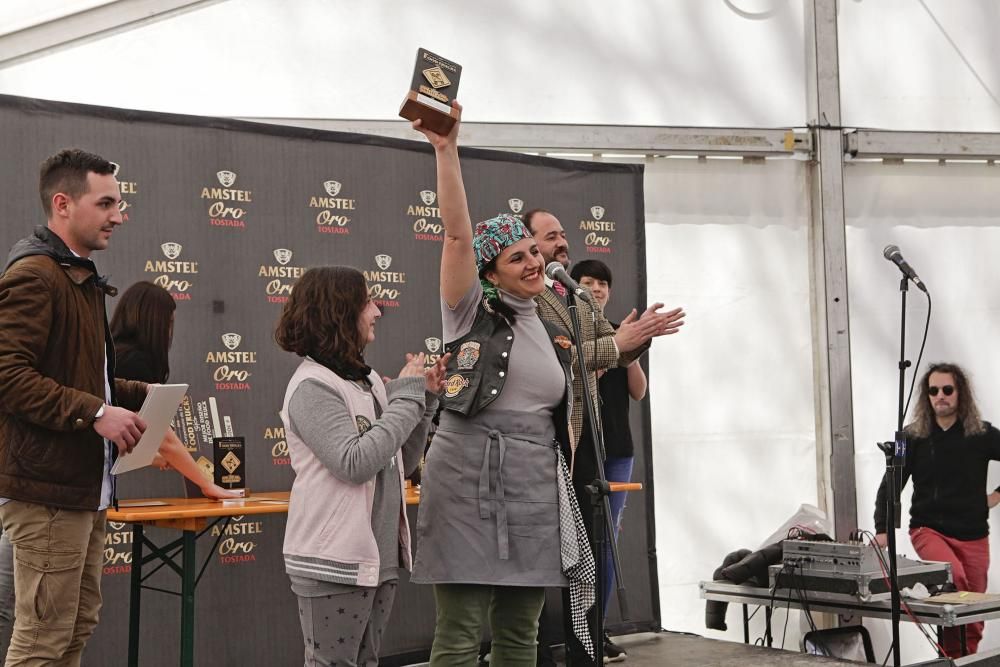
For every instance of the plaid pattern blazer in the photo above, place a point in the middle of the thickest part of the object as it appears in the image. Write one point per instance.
(599, 350)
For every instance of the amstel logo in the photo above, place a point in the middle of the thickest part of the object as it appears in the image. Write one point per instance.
(173, 274)
(599, 231)
(433, 345)
(383, 284)
(425, 218)
(275, 435)
(280, 277)
(516, 205)
(239, 541)
(230, 372)
(332, 217)
(226, 209)
(128, 190)
(118, 548)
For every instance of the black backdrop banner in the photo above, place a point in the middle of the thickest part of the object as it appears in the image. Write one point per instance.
(226, 215)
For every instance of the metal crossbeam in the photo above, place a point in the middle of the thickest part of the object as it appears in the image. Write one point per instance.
(924, 145)
(643, 140)
(74, 29)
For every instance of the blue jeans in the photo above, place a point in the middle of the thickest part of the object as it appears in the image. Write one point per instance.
(616, 469)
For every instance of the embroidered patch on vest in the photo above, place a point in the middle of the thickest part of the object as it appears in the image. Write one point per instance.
(468, 355)
(454, 385)
(562, 342)
(363, 424)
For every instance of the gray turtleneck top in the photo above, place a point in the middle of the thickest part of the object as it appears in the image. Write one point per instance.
(534, 381)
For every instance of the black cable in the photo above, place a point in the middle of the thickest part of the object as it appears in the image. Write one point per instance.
(884, 564)
(913, 381)
(803, 597)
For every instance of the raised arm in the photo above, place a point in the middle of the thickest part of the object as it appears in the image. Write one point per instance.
(458, 263)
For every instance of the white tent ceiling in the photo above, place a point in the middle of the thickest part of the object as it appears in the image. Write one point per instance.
(736, 63)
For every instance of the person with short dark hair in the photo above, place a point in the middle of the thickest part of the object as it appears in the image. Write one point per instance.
(616, 386)
(60, 425)
(351, 439)
(949, 449)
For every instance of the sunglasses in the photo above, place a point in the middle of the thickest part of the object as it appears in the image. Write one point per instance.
(947, 390)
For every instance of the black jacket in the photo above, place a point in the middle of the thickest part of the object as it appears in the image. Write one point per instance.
(949, 482)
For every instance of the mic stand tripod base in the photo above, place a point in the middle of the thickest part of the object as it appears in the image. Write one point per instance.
(600, 492)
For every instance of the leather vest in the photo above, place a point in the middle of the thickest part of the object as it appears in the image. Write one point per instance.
(469, 390)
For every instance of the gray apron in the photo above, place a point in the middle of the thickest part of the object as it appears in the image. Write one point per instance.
(489, 502)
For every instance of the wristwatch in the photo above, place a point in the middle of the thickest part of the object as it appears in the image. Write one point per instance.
(100, 412)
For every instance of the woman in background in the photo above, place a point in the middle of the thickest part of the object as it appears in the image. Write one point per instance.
(351, 439)
(142, 328)
(616, 385)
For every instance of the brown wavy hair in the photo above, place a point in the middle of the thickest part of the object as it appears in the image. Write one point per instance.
(968, 412)
(320, 319)
(142, 319)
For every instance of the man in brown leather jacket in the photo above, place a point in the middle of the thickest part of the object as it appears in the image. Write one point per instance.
(59, 427)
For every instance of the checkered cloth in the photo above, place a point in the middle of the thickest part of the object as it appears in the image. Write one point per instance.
(577, 558)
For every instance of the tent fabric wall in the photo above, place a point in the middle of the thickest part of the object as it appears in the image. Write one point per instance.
(944, 218)
(734, 424)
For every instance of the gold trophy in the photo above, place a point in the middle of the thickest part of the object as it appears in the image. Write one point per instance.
(434, 86)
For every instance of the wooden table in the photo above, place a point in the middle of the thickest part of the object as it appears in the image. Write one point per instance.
(193, 517)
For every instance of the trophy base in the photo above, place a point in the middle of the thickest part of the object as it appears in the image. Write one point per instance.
(434, 115)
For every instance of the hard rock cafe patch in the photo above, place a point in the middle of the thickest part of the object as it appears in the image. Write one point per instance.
(468, 355)
(363, 424)
(454, 385)
(563, 342)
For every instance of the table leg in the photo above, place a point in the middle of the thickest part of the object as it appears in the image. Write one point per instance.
(188, 573)
(135, 596)
(768, 639)
(940, 638)
(965, 640)
(746, 625)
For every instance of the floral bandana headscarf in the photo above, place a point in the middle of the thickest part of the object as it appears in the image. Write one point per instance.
(493, 235)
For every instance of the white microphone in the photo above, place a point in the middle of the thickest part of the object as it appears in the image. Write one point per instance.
(555, 271)
(892, 253)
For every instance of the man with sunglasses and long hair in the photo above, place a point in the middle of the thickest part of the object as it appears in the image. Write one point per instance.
(949, 448)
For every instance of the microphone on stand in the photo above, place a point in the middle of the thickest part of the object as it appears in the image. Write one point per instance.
(892, 253)
(556, 272)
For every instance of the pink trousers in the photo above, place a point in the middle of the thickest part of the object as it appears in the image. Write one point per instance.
(970, 564)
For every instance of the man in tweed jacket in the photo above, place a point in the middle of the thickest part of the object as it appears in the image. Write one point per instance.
(602, 347)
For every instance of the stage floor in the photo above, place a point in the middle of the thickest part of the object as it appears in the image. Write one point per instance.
(667, 649)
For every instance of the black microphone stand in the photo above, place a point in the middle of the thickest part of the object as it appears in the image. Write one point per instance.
(895, 460)
(600, 492)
